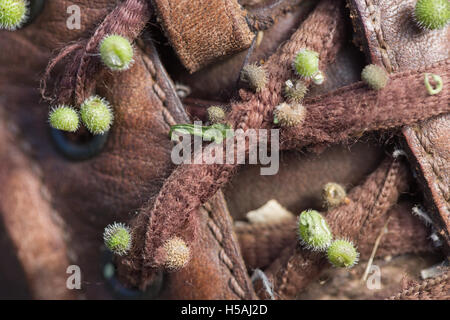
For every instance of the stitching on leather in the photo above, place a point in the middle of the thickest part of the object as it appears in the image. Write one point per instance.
(159, 93)
(223, 257)
(215, 230)
(382, 45)
(236, 287)
(156, 89)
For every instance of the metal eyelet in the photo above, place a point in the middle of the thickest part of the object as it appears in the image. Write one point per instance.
(121, 292)
(89, 147)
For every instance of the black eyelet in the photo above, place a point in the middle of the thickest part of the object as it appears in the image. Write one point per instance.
(119, 291)
(78, 146)
(35, 9)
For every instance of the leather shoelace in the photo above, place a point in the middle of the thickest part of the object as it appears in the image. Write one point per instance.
(354, 109)
(296, 267)
(428, 289)
(127, 19)
(262, 243)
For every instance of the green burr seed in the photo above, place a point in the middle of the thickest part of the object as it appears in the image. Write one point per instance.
(333, 194)
(64, 118)
(374, 76)
(97, 115)
(342, 254)
(255, 76)
(116, 52)
(117, 238)
(216, 114)
(314, 231)
(13, 14)
(295, 91)
(289, 115)
(438, 83)
(306, 63)
(432, 14)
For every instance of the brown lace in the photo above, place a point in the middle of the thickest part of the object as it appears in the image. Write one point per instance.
(297, 267)
(128, 19)
(262, 243)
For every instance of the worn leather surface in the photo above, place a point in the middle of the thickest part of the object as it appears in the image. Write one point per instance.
(31, 222)
(204, 30)
(388, 34)
(429, 147)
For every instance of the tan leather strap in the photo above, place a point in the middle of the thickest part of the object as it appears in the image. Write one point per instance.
(203, 30)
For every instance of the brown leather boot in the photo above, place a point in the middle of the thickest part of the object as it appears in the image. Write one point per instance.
(388, 148)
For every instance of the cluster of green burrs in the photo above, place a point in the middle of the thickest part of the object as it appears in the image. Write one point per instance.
(13, 14)
(116, 52)
(315, 234)
(292, 113)
(95, 113)
(216, 132)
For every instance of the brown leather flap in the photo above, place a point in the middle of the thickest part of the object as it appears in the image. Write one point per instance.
(203, 30)
(428, 144)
